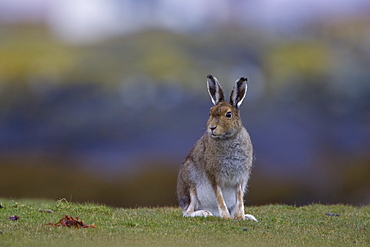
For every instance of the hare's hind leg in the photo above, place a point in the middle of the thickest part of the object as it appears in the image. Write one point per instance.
(189, 212)
(239, 212)
(250, 217)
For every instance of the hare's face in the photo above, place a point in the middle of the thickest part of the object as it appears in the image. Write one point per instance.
(224, 121)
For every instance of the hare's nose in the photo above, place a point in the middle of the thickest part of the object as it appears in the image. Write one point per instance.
(212, 127)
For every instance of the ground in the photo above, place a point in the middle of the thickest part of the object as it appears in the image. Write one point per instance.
(279, 225)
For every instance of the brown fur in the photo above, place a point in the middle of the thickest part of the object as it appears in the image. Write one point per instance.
(213, 177)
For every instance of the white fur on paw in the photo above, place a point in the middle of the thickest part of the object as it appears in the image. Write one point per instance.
(201, 213)
(250, 217)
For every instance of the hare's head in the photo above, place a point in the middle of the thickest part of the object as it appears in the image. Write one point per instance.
(224, 119)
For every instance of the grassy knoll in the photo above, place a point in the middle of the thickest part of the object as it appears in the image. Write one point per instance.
(279, 225)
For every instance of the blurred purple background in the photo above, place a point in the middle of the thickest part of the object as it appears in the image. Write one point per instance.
(100, 100)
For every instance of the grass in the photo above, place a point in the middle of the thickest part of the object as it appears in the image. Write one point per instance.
(279, 225)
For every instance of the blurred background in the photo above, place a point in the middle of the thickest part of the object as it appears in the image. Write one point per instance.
(101, 100)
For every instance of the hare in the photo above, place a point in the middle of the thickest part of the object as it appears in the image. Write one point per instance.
(213, 177)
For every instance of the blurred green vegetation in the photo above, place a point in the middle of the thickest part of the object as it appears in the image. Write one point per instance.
(288, 63)
(30, 53)
(307, 111)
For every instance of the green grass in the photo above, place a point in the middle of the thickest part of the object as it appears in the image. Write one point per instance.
(279, 225)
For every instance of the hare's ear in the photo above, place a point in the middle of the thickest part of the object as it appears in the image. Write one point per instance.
(215, 90)
(238, 93)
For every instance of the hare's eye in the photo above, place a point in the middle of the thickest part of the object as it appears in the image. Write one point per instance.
(228, 114)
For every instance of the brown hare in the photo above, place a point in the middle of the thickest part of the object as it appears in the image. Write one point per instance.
(213, 177)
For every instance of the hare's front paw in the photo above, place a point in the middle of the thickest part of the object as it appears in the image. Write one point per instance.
(250, 217)
(201, 213)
